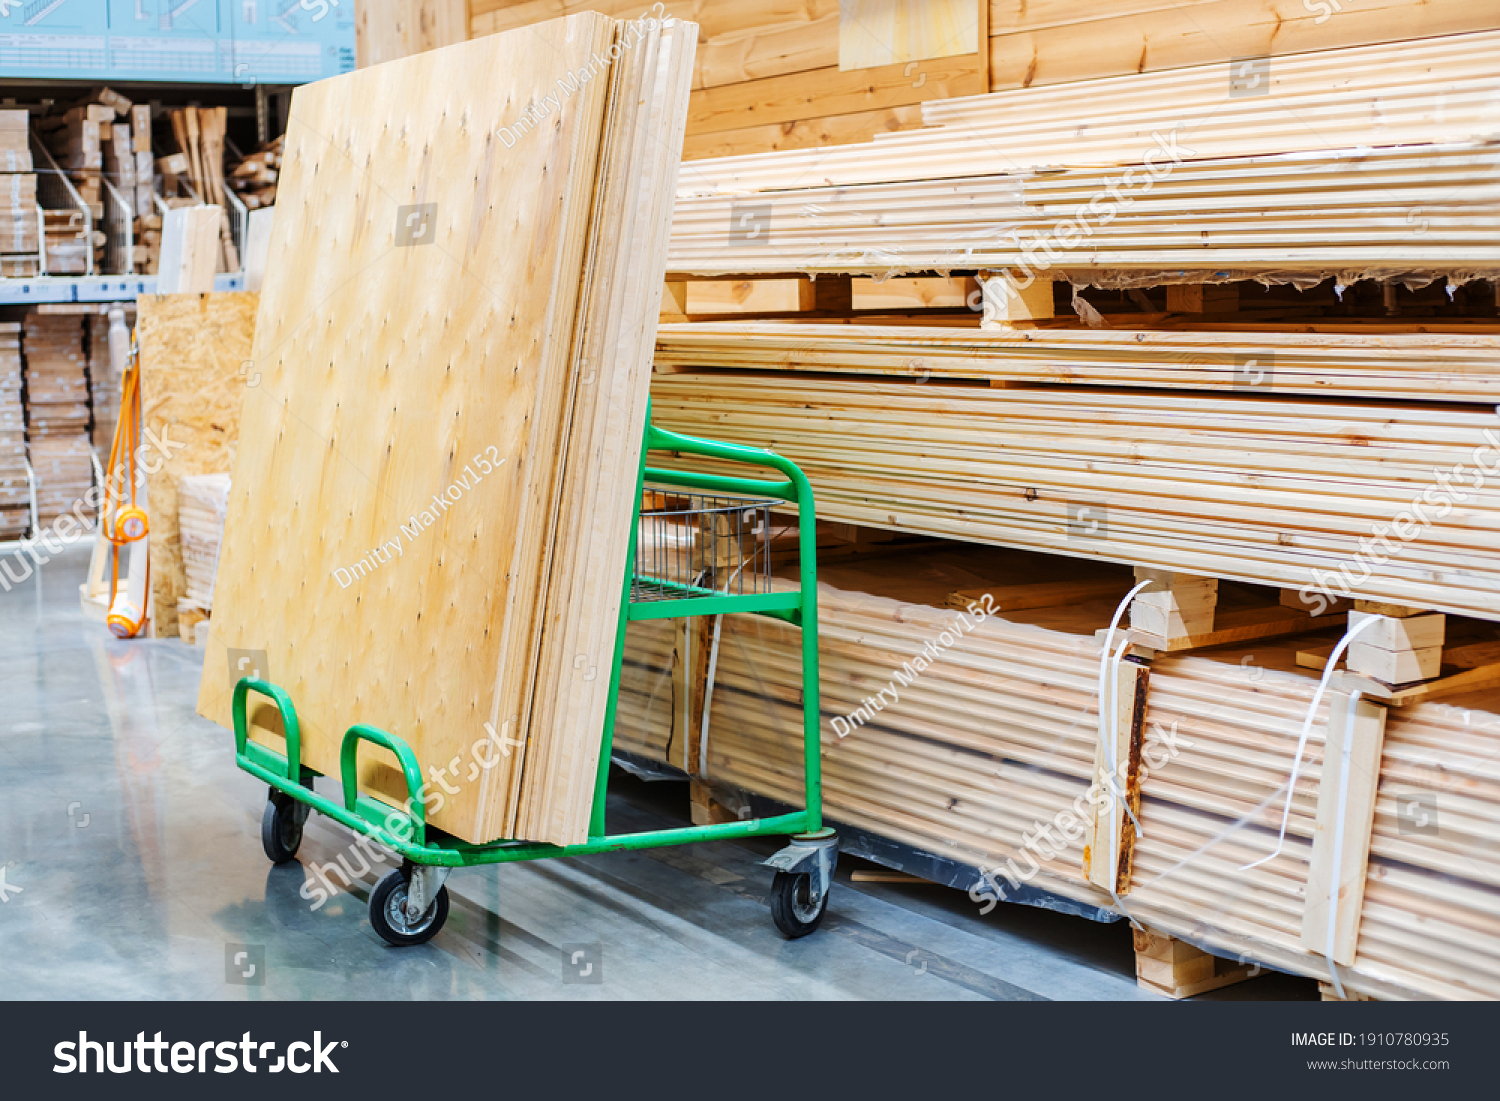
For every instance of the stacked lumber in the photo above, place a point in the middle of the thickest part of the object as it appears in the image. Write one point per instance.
(57, 410)
(996, 737)
(15, 484)
(76, 140)
(1433, 91)
(202, 500)
(1318, 213)
(1411, 366)
(337, 559)
(199, 132)
(785, 77)
(19, 232)
(63, 467)
(1262, 489)
(104, 383)
(254, 177)
(57, 385)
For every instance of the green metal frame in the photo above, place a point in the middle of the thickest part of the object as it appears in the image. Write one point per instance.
(405, 830)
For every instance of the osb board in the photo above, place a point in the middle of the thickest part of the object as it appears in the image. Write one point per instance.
(193, 348)
(413, 339)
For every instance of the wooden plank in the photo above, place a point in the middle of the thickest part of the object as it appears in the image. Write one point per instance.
(1177, 35)
(189, 250)
(859, 126)
(194, 352)
(1341, 843)
(822, 92)
(873, 33)
(465, 407)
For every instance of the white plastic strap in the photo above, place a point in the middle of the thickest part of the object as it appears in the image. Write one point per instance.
(1312, 710)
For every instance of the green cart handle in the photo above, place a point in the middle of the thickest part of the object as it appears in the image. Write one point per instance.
(373, 810)
(289, 723)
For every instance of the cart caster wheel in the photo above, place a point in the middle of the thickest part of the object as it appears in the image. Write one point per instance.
(388, 913)
(791, 909)
(281, 829)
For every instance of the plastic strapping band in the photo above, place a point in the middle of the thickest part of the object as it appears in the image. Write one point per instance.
(1345, 757)
(1312, 710)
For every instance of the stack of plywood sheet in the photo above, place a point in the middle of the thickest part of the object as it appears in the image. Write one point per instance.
(15, 484)
(202, 500)
(57, 411)
(432, 499)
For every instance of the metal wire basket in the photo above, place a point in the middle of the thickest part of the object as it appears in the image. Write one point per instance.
(695, 544)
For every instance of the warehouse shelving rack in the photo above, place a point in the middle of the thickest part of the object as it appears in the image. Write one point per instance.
(670, 574)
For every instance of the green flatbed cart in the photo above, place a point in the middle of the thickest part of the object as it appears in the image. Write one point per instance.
(698, 548)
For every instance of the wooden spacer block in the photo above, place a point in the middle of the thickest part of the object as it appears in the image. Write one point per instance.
(710, 806)
(1173, 580)
(1336, 872)
(1380, 607)
(1328, 994)
(1171, 622)
(1203, 298)
(1292, 598)
(1416, 632)
(1176, 969)
(1005, 302)
(912, 293)
(1394, 666)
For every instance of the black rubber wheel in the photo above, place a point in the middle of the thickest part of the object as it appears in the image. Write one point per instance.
(791, 909)
(281, 829)
(388, 913)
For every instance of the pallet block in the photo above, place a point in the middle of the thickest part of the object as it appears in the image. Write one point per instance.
(1175, 969)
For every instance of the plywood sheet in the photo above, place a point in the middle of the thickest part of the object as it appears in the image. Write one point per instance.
(389, 534)
(194, 352)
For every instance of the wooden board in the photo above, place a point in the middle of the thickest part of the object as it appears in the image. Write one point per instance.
(428, 399)
(195, 362)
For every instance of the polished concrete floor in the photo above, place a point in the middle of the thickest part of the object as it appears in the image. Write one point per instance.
(132, 868)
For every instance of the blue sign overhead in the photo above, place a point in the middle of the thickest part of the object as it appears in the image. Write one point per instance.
(244, 42)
